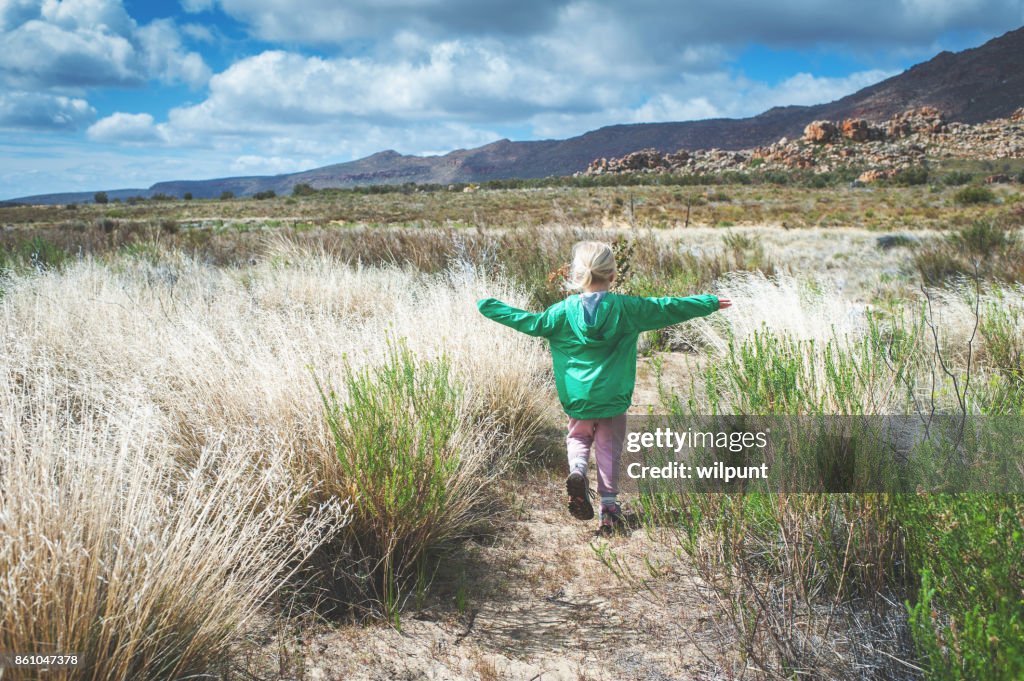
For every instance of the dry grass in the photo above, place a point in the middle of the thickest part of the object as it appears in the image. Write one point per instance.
(169, 461)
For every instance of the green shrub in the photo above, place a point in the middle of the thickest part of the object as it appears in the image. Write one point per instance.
(974, 194)
(227, 195)
(414, 488)
(303, 189)
(36, 253)
(996, 251)
(266, 194)
(967, 616)
(956, 178)
(100, 197)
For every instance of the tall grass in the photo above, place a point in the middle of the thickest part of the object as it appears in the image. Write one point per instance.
(111, 549)
(856, 585)
(987, 249)
(171, 462)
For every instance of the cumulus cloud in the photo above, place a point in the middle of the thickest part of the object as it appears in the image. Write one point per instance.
(38, 111)
(456, 81)
(126, 128)
(90, 43)
(196, 6)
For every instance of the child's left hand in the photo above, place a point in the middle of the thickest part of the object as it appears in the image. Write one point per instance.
(724, 303)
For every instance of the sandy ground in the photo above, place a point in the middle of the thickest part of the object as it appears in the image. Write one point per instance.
(541, 605)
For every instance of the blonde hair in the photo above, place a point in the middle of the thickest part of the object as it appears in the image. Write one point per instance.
(592, 261)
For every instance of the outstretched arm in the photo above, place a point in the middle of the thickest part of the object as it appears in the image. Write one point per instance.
(531, 323)
(656, 313)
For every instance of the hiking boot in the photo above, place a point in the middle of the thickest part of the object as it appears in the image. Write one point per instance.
(579, 496)
(611, 518)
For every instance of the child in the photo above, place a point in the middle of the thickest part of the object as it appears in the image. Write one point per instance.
(593, 339)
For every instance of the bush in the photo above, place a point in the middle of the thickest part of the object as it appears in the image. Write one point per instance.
(404, 460)
(956, 178)
(997, 252)
(226, 195)
(266, 194)
(187, 196)
(912, 177)
(303, 189)
(100, 197)
(974, 195)
(967, 617)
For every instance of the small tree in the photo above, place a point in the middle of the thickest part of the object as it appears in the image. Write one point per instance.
(267, 194)
(187, 196)
(100, 197)
(226, 195)
(303, 189)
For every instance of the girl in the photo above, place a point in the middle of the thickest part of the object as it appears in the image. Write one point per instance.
(593, 338)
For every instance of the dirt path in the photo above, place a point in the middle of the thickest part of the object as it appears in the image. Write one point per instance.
(537, 604)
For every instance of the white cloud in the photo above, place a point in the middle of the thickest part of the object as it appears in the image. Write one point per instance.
(90, 43)
(198, 32)
(269, 165)
(38, 111)
(456, 81)
(165, 57)
(126, 128)
(807, 89)
(196, 6)
(428, 76)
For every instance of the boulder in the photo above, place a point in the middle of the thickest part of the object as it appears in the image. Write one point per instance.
(820, 132)
(855, 129)
(875, 174)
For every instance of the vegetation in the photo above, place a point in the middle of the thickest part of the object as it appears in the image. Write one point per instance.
(975, 194)
(197, 392)
(873, 584)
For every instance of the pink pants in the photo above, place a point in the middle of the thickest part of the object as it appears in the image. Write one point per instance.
(606, 436)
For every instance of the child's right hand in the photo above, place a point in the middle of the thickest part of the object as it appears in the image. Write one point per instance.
(724, 303)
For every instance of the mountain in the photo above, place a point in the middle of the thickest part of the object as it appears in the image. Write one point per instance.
(975, 85)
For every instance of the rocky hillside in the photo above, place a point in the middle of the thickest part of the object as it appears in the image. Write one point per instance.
(881, 150)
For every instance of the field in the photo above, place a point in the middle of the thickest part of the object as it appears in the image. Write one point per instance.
(274, 439)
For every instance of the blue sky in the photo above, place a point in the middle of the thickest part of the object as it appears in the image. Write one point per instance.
(102, 94)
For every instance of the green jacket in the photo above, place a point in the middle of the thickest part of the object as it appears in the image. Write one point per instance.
(595, 364)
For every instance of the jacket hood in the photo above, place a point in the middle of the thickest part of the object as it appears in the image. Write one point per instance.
(607, 320)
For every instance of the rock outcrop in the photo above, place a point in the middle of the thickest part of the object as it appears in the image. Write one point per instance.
(880, 150)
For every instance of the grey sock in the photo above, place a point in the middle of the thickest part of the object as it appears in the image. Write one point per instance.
(578, 465)
(609, 499)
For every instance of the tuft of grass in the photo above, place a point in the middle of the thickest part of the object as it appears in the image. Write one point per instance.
(416, 481)
(142, 566)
